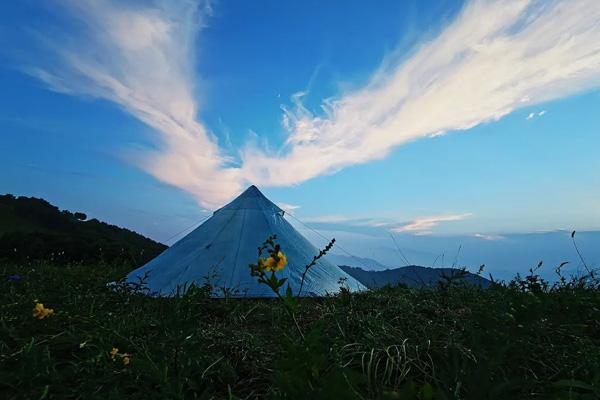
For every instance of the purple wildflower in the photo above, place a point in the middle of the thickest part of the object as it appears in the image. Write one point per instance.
(15, 278)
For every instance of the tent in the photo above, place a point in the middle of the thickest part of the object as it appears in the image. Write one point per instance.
(220, 250)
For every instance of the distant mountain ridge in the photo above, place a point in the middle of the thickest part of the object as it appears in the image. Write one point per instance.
(34, 229)
(412, 276)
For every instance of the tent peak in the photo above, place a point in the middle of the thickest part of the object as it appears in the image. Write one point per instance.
(253, 199)
(251, 191)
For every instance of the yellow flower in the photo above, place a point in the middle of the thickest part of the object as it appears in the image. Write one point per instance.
(41, 312)
(281, 262)
(125, 357)
(114, 352)
(275, 262)
(269, 264)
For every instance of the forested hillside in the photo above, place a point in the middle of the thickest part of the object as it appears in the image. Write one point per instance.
(33, 229)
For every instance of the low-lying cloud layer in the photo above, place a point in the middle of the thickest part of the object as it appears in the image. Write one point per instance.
(496, 57)
(424, 225)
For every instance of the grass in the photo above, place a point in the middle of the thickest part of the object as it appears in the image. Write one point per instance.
(520, 340)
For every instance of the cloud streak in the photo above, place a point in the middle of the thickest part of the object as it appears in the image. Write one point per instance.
(290, 208)
(494, 58)
(533, 115)
(488, 237)
(141, 57)
(425, 225)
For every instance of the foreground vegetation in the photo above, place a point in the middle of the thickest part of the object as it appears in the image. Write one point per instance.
(522, 340)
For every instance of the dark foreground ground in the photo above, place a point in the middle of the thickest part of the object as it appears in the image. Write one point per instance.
(507, 342)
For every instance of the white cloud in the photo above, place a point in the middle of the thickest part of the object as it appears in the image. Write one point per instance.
(533, 115)
(496, 56)
(327, 218)
(424, 225)
(380, 224)
(488, 237)
(141, 57)
(287, 207)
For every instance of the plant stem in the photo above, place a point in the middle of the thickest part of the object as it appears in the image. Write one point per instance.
(579, 254)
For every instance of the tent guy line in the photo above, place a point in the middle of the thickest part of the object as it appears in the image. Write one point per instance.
(186, 229)
(337, 245)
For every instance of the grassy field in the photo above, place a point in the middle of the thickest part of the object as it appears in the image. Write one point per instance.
(521, 340)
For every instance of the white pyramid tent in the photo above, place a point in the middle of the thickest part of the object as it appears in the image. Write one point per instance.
(221, 249)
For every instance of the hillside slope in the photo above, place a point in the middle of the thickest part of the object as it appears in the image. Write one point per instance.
(412, 276)
(32, 229)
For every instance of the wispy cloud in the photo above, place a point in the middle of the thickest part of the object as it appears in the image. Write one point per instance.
(533, 115)
(288, 207)
(488, 237)
(141, 57)
(425, 225)
(328, 219)
(497, 56)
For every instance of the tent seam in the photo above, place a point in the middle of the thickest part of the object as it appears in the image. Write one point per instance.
(237, 252)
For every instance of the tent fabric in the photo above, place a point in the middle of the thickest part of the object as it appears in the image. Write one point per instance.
(219, 252)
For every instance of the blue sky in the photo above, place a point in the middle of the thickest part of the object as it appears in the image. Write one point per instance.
(422, 118)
